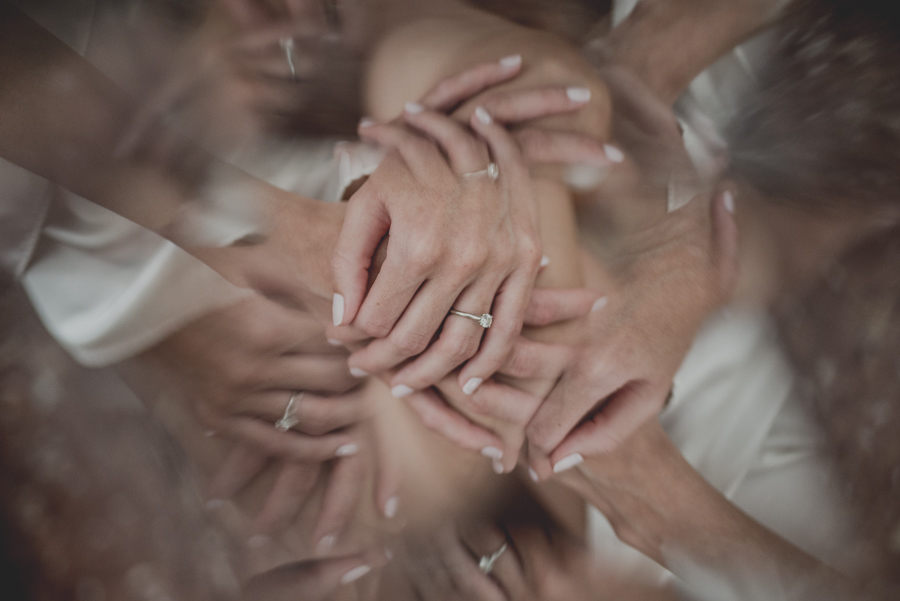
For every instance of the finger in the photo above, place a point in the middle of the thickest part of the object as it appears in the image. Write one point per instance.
(539, 467)
(606, 429)
(290, 445)
(454, 90)
(463, 569)
(725, 233)
(345, 483)
(246, 13)
(420, 154)
(315, 580)
(365, 224)
(438, 417)
(294, 483)
(541, 146)
(535, 360)
(466, 152)
(553, 305)
(457, 342)
(516, 106)
(411, 335)
(509, 309)
(503, 147)
(640, 106)
(325, 373)
(316, 415)
(388, 478)
(241, 465)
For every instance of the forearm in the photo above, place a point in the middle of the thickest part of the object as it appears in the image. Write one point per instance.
(669, 43)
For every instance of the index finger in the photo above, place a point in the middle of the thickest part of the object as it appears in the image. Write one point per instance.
(454, 90)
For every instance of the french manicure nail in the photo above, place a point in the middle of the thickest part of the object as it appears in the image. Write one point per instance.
(492, 452)
(391, 506)
(482, 115)
(613, 154)
(413, 108)
(728, 201)
(498, 466)
(533, 475)
(334, 342)
(214, 504)
(472, 385)
(345, 450)
(578, 94)
(512, 61)
(401, 390)
(599, 304)
(567, 463)
(258, 540)
(545, 260)
(366, 122)
(355, 574)
(358, 373)
(326, 544)
(337, 309)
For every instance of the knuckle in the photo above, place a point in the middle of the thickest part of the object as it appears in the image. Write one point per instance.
(411, 343)
(374, 326)
(459, 348)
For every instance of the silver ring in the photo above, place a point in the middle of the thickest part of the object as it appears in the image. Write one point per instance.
(484, 320)
(492, 171)
(486, 563)
(289, 420)
(287, 44)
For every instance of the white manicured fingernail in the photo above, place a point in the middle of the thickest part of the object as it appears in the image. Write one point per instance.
(413, 108)
(401, 390)
(345, 450)
(613, 154)
(334, 342)
(358, 373)
(258, 540)
(492, 452)
(214, 504)
(545, 260)
(472, 385)
(337, 309)
(498, 466)
(391, 506)
(366, 122)
(510, 62)
(728, 201)
(578, 94)
(210, 433)
(533, 475)
(326, 544)
(585, 177)
(567, 463)
(482, 115)
(599, 304)
(355, 574)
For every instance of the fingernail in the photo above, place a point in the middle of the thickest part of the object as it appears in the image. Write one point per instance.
(413, 108)
(492, 452)
(498, 466)
(578, 94)
(599, 304)
(334, 342)
(545, 260)
(401, 390)
(358, 373)
(345, 450)
(391, 506)
(533, 475)
(355, 574)
(210, 433)
(585, 177)
(512, 61)
(388, 553)
(366, 122)
(567, 463)
(214, 504)
(257, 540)
(337, 309)
(482, 115)
(326, 544)
(613, 154)
(728, 201)
(472, 385)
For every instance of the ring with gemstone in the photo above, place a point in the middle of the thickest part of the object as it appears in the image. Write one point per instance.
(484, 320)
(492, 171)
(289, 419)
(288, 45)
(486, 563)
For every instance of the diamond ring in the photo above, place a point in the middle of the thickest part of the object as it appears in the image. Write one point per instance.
(484, 320)
(288, 45)
(492, 171)
(289, 419)
(486, 563)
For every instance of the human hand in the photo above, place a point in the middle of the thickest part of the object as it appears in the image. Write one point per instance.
(315, 580)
